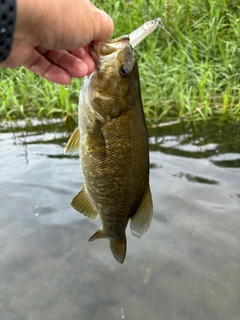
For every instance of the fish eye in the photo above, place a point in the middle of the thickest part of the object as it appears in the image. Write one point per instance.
(124, 71)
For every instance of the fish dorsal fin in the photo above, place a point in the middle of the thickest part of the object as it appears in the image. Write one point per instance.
(73, 142)
(83, 204)
(141, 220)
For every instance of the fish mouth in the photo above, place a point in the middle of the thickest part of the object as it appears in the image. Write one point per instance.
(106, 50)
(94, 51)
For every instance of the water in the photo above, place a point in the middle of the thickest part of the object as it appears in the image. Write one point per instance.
(187, 266)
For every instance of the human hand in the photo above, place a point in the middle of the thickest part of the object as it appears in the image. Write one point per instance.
(51, 37)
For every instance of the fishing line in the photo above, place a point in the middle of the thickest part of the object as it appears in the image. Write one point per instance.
(161, 25)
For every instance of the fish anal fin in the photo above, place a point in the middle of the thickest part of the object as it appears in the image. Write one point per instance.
(141, 220)
(73, 142)
(83, 204)
(119, 248)
(97, 235)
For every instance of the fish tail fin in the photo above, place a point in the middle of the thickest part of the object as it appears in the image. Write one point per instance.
(119, 248)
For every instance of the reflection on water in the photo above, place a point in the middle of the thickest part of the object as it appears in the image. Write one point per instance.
(187, 266)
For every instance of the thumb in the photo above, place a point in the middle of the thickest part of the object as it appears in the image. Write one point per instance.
(104, 26)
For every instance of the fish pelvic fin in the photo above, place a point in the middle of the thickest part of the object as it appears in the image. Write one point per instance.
(119, 248)
(141, 220)
(83, 204)
(73, 142)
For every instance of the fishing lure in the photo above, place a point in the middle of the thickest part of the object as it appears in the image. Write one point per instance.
(142, 32)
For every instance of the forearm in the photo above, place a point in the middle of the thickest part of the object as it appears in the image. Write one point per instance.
(30, 13)
(19, 22)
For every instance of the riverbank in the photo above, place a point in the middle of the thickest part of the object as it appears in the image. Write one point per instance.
(198, 77)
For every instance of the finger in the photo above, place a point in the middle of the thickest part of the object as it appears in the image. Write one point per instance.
(77, 63)
(40, 65)
(83, 54)
(104, 28)
(60, 66)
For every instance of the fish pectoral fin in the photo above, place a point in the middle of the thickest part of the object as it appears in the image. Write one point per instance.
(83, 204)
(73, 142)
(141, 220)
(119, 248)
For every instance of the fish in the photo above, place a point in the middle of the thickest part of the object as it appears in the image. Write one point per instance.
(112, 140)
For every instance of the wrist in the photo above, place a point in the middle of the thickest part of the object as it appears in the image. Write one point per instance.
(7, 24)
(29, 14)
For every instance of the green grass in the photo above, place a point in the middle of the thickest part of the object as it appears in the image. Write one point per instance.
(175, 83)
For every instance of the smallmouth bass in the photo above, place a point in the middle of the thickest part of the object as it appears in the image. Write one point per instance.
(112, 139)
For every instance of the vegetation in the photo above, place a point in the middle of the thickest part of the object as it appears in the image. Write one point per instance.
(197, 78)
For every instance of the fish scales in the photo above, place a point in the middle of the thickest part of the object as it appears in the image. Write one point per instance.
(115, 177)
(113, 146)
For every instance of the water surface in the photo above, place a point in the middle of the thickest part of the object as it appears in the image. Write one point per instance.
(187, 266)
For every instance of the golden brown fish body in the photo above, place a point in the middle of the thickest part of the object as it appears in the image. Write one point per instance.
(113, 146)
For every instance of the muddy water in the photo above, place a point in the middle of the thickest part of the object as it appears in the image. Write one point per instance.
(187, 266)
